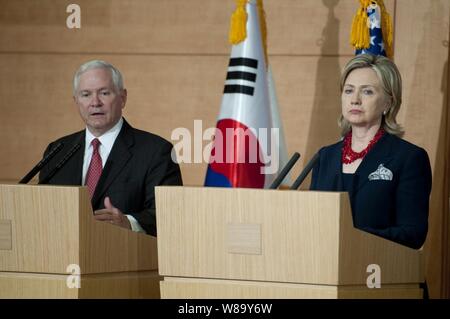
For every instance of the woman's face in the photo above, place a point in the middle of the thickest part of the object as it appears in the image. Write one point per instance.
(363, 99)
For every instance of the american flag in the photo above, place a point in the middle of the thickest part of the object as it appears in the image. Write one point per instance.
(376, 34)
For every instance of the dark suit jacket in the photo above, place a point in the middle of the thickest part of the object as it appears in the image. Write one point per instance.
(395, 209)
(138, 162)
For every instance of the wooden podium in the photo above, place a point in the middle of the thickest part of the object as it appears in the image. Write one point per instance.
(46, 229)
(247, 243)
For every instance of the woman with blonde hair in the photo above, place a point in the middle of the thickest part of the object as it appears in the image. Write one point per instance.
(388, 179)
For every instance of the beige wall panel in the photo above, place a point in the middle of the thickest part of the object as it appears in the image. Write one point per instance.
(35, 106)
(171, 26)
(309, 102)
(422, 41)
(164, 93)
(421, 52)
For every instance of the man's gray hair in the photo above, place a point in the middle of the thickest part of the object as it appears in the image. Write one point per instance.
(98, 64)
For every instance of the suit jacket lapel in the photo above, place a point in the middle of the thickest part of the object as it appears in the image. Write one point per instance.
(380, 154)
(336, 166)
(119, 156)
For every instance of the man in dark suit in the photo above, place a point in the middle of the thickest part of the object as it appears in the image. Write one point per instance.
(119, 164)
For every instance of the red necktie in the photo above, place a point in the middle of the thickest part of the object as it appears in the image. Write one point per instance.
(95, 168)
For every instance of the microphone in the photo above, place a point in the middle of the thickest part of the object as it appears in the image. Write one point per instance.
(285, 171)
(305, 171)
(61, 163)
(41, 164)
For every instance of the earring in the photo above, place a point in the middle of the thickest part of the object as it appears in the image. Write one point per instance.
(385, 112)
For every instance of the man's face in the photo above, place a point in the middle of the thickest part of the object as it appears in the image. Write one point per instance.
(99, 102)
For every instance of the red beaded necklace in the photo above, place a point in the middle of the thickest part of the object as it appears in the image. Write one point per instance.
(349, 156)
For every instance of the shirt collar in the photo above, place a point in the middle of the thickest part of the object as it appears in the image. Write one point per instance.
(108, 138)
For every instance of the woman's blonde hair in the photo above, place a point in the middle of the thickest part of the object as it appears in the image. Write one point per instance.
(391, 83)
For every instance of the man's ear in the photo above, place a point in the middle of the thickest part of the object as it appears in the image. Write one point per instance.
(124, 94)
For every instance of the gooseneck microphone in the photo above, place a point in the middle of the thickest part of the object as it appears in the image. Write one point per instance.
(305, 171)
(61, 163)
(41, 164)
(285, 171)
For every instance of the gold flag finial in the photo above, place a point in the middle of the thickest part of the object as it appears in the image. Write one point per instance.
(360, 33)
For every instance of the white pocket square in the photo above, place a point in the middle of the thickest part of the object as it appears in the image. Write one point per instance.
(382, 173)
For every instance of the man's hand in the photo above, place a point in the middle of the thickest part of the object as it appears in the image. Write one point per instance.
(112, 215)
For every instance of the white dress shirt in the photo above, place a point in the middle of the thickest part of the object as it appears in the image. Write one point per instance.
(106, 143)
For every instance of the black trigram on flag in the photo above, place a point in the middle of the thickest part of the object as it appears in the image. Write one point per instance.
(240, 71)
